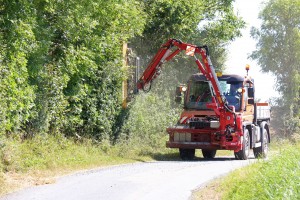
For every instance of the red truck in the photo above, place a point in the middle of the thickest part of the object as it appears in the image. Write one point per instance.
(219, 111)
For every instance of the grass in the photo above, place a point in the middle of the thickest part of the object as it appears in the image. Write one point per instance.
(35, 161)
(275, 178)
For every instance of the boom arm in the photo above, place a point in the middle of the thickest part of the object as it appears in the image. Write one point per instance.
(167, 52)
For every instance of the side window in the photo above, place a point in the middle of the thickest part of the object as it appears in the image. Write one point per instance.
(224, 87)
(232, 92)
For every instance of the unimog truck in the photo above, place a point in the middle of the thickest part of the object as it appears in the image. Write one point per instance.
(220, 112)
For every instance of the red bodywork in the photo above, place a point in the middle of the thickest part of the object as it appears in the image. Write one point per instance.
(205, 138)
(230, 123)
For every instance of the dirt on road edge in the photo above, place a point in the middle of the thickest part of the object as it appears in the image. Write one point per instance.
(209, 191)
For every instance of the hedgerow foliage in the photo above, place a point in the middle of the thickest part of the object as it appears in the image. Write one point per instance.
(61, 61)
(61, 64)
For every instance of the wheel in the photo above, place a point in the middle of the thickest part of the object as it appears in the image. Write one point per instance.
(262, 151)
(187, 154)
(244, 153)
(209, 154)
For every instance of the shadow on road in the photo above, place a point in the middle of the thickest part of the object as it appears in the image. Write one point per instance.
(175, 157)
(166, 157)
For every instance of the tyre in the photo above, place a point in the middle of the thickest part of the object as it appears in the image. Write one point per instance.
(187, 154)
(209, 154)
(243, 154)
(262, 151)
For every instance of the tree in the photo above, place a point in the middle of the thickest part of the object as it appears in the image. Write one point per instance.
(278, 52)
(61, 64)
(16, 42)
(199, 22)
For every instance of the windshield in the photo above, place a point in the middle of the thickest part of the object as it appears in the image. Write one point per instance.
(231, 93)
(199, 94)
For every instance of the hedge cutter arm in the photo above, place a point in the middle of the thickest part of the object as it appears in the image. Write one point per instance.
(168, 51)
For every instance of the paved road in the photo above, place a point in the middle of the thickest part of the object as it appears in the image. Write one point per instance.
(150, 180)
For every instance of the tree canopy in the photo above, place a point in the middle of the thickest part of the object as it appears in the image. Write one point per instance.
(278, 52)
(213, 23)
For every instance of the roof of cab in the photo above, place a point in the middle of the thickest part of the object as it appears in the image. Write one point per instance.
(224, 77)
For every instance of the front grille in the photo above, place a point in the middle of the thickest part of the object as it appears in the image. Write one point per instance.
(199, 125)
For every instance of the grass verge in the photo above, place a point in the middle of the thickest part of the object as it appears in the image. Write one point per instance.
(38, 160)
(275, 178)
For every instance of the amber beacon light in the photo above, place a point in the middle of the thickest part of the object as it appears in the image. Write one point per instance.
(247, 68)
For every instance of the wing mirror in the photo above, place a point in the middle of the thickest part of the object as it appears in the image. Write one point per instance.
(251, 96)
(251, 92)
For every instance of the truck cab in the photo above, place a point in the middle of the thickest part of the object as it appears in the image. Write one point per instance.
(199, 92)
(199, 125)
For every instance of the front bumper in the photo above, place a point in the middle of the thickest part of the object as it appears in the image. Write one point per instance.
(201, 139)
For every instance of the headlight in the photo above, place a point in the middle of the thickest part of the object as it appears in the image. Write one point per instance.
(188, 137)
(182, 137)
(176, 137)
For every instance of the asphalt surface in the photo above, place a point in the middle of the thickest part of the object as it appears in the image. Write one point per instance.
(149, 180)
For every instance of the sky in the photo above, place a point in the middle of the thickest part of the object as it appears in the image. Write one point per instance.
(241, 48)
